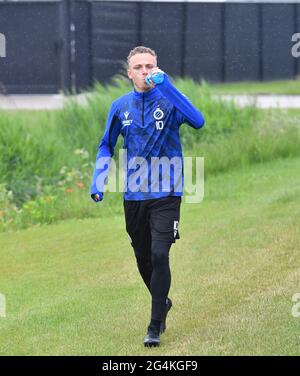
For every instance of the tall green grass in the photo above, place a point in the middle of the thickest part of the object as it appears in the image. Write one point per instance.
(47, 157)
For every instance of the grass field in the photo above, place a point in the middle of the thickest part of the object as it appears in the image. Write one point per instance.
(67, 269)
(71, 290)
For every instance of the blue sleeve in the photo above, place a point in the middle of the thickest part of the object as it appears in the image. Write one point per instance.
(105, 151)
(186, 112)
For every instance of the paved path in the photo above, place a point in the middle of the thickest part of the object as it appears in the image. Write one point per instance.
(56, 101)
(31, 102)
(266, 101)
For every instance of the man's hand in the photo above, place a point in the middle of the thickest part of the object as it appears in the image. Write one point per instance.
(155, 77)
(97, 196)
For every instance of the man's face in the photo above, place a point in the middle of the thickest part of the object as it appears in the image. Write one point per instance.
(140, 65)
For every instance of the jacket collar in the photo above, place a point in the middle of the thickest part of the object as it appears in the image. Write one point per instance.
(151, 94)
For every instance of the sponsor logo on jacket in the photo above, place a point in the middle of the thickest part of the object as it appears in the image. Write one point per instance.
(127, 121)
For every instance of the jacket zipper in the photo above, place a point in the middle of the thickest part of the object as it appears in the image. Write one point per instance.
(143, 111)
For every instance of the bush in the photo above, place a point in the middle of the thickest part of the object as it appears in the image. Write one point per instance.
(47, 157)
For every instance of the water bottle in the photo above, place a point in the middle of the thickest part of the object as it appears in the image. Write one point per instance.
(156, 78)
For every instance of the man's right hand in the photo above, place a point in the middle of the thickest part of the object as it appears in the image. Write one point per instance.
(155, 77)
(97, 197)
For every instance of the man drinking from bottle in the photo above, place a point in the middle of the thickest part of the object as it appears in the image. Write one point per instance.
(149, 119)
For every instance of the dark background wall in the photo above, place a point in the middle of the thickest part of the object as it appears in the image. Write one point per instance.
(67, 45)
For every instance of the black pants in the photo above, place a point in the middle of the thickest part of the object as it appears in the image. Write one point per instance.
(152, 226)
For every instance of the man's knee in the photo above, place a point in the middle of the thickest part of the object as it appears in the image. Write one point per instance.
(160, 253)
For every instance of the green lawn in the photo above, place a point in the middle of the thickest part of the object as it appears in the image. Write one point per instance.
(73, 287)
(250, 87)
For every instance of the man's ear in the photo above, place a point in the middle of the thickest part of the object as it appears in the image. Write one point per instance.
(129, 74)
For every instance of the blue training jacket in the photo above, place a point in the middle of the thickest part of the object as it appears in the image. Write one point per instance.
(149, 123)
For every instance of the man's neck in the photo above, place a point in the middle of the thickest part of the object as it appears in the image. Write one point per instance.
(142, 90)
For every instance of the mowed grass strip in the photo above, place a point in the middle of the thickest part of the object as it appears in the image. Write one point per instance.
(73, 288)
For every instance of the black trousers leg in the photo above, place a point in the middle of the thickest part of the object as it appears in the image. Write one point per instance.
(155, 271)
(160, 279)
(144, 264)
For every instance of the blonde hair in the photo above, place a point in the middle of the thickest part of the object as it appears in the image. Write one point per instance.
(140, 50)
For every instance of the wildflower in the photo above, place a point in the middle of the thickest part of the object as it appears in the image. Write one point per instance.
(69, 190)
(80, 185)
